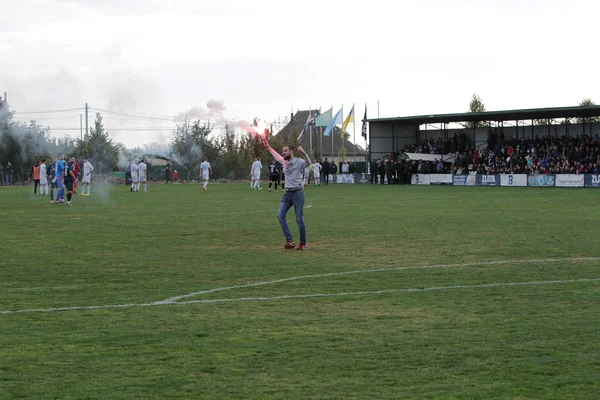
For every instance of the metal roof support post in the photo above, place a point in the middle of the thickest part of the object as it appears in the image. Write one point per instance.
(532, 128)
(443, 126)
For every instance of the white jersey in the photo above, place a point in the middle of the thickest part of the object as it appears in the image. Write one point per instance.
(317, 169)
(43, 174)
(87, 168)
(134, 172)
(256, 168)
(142, 171)
(205, 168)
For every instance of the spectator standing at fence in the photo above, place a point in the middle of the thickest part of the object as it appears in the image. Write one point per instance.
(326, 171)
(373, 169)
(389, 171)
(168, 173)
(8, 174)
(345, 168)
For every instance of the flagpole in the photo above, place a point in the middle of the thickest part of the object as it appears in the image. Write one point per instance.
(331, 134)
(310, 133)
(333, 131)
(354, 131)
(321, 146)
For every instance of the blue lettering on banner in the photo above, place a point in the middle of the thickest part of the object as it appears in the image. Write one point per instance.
(488, 180)
(459, 180)
(591, 181)
(540, 180)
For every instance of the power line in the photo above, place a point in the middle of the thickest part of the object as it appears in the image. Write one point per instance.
(122, 129)
(48, 118)
(156, 117)
(47, 111)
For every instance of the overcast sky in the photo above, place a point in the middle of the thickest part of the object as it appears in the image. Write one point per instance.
(267, 58)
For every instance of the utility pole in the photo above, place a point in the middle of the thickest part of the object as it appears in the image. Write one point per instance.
(86, 119)
(81, 126)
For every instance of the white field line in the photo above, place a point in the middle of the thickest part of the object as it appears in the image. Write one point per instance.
(366, 271)
(175, 300)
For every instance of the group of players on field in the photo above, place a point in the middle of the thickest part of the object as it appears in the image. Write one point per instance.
(61, 175)
(277, 174)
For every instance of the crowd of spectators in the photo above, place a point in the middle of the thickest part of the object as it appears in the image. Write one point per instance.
(550, 154)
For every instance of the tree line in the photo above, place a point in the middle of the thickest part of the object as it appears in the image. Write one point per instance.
(230, 154)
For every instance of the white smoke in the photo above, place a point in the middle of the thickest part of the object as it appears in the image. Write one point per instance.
(214, 113)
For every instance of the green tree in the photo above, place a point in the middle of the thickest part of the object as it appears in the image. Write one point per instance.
(99, 147)
(188, 145)
(587, 103)
(476, 106)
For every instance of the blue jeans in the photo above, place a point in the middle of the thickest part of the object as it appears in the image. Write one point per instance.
(288, 200)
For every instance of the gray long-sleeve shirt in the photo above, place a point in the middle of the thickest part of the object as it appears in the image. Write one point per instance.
(292, 169)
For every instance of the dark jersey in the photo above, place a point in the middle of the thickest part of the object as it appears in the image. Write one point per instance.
(274, 168)
(51, 172)
(69, 168)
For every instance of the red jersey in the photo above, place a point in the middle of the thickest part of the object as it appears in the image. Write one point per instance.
(76, 169)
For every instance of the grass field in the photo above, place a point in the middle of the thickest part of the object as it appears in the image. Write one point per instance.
(405, 292)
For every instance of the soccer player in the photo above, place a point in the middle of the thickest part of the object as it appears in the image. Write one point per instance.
(87, 177)
(274, 174)
(206, 172)
(294, 192)
(70, 179)
(134, 176)
(307, 175)
(35, 173)
(142, 175)
(76, 170)
(51, 177)
(60, 177)
(43, 178)
(316, 167)
(255, 174)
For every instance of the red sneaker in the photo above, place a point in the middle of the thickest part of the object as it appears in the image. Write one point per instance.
(303, 246)
(290, 244)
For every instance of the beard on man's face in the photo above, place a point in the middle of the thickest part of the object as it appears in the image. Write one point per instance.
(287, 157)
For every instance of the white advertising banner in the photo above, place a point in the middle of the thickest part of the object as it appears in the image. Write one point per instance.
(513, 180)
(569, 180)
(420, 179)
(438, 179)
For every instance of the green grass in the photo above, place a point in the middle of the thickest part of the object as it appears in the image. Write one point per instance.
(463, 340)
